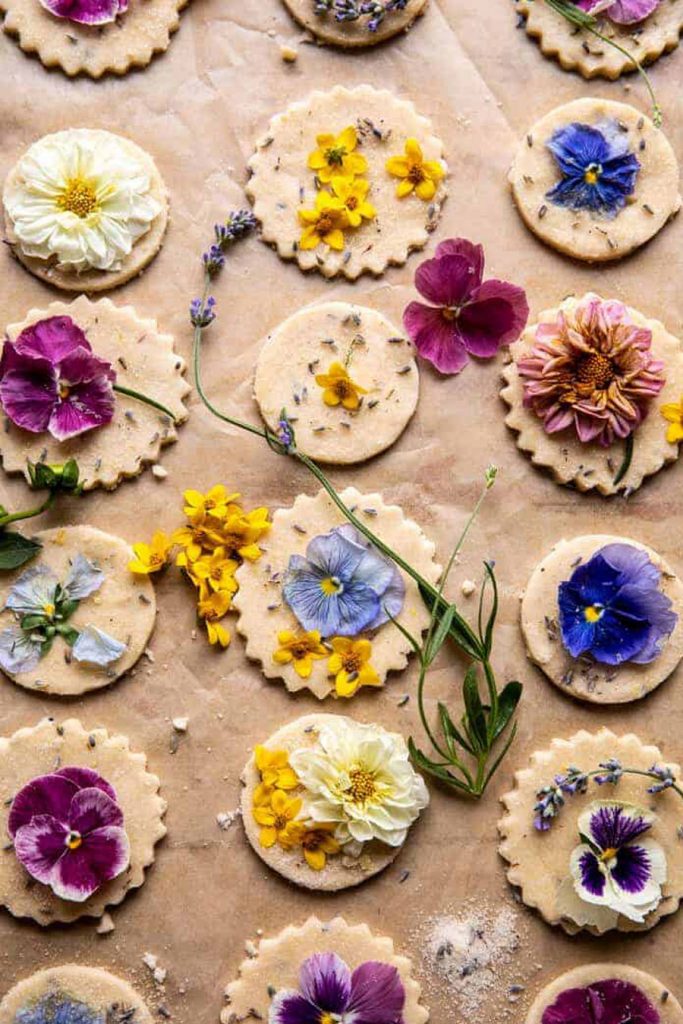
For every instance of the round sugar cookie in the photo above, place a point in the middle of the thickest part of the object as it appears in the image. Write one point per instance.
(376, 356)
(281, 182)
(277, 963)
(666, 1004)
(40, 750)
(353, 35)
(263, 613)
(589, 466)
(144, 360)
(578, 49)
(142, 253)
(583, 677)
(539, 861)
(124, 607)
(581, 233)
(131, 41)
(98, 995)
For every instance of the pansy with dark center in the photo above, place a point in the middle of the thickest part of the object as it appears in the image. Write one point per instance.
(621, 12)
(67, 830)
(331, 994)
(611, 608)
(343, 586)
(611, 1001)
(598, 170)
(86, 12)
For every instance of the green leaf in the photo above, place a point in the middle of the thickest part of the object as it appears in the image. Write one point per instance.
(626, 463)
(487, 639)
(450, 732)
(497, 763)
(409, 637)
(508, 699)
(69, 634)
(31, 622)
(460, 632)
(474, 710)
(444, 623)
(16, 550)
(435, 770)
(65, 609)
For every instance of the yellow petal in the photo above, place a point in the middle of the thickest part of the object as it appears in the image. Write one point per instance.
(413, 151)
(303, 667)
(263, 816)
(335, 239)
(674, 433)
(315, 859)
(398, 166)
(267, 838)
(331, 398)
(282, 657)
(355, 164)
(334, 664)
(368, 677)
(316, 160)
(344, 687)
(310, 238)
(433, 169)
(426, 189)
(287, 779)
(347, 139)
(404, 188)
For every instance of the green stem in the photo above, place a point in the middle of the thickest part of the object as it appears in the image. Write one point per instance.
(139, 397)
(15, 517)
(626, 462)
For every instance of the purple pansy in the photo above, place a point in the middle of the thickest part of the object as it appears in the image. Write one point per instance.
(622, 12)
(611, 1001)
(329, 991)
(467, 315)
(67, 830)
(50, 380)
(614, 866)
(86, 12)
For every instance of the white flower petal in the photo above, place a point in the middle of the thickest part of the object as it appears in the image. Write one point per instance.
(18, 651)
(34, 589)
(83, 579)
(95, 647)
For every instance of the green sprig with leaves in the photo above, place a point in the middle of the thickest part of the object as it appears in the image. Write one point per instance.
(15, 548)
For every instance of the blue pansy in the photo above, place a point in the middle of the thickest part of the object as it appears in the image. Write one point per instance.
(343, 585)
(598, 170)
(59, 1008)
(612, 608)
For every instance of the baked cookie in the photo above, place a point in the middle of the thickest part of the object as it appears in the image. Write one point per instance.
(299, 961)
(113, 618)
(352, 34)
(348, 181)
(95, 231)
(616, 986)
(52, 749)
(595, 179)
(346, 376)
(73, 993)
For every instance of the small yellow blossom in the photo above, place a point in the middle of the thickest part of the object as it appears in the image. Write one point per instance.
(153, 556)
(325, 223)
(335, 156)
(217, 502)
(417, 174)
(318, 843)
(216, 570)
(339, 389)
(299, 649)
(239, 534)
(194, 540)
(278, 821)
(212, 607)
(673, 412)
(275, 768)
(350, 665)
(353, 195)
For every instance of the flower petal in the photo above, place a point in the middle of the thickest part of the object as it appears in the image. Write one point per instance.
(611, 1001)
(86, 778)
(446, 280)
(40, 844)
(52, 338)
(377, 995)
(326, 982)
(495, 316)
(19, 652)
(92, 809)
(611, 824)
(33, 590)
(474, 254)
(102, 855)
(28, 396)
(86, 12)
(290, 1007)
(83, 578)
(438, 340)
(45, 795)
(95, 647)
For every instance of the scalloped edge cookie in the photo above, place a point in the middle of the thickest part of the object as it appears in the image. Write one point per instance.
(353, 35)
(37, 750)
(662, 999)
(92, 985)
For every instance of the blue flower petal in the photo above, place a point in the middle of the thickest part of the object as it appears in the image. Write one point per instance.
(335, 554)
(579, 149)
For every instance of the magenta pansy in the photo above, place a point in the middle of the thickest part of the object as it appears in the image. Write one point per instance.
(621, 12)
(50, 380)
(466, 315)
(67, 830)
(611, 1001)
(86, 12)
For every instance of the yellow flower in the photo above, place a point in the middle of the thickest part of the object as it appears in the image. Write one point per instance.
(339, 388)
(350, 665)
(335, 156)
(353, 195)
(194, 539)
(324, 223)
(416, 173)
(275, 768)
(278, 821)
(299, 649)
(153, 556)
(317, 843)
(239, 534)
(673, 412)
(217, 570)
(212, 607)
(217, 502)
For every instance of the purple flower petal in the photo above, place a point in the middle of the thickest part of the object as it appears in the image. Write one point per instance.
(436, 339)
(446, 281)
(611, 826)
(45, 795)
(474, 254)
(52, 338)
(289, 1007)
(611, 1001)
(86, 12)
(495, 316)
(377, 995)
(102, 855)
(28, 396)
(630, 12)
(592, 877)
(632, 870)
(93, 809)
(325, 981)
(86, 778)
(40, 845)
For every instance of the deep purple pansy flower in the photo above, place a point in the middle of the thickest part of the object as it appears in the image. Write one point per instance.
(611, 1001)
(50, 379)
(621, 12)
(86, 12)
(67, 830)
(467, 316)
(329, 991)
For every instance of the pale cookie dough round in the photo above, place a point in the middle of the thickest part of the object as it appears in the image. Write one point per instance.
(142, 253)
(131, 41)
(589, 466)
(380, 360)
(666, 1004)
(263, 613)
(340, 871)
(277, 962)
(353, 35)
(109, 997)
(38, 751)
(577, 49)
(124, 607)
(281, 182)
(580, 233)
(144, 360)
(583, 677)
(539, 861)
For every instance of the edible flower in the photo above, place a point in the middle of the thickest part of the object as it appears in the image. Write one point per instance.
(67, 830)
(598, 170)
(621, 12)
(353, 194)
(275, 769)
(417, 174)
(339, 389)
(350, 665)
(217, 503)
(50, 380)
(673, 413)
(300, 650)
(217, 571)
(612, 608)
(194, 539)
(611, 1001)
(152, 557)
(318, 843)
(240, 532)
(343, 585)
(212, 607)
(591, 370)
(57, 1007)
(324, 223)
(466, 315)
(278, 821)
(86, 12)
(329, 991)
(336, 156)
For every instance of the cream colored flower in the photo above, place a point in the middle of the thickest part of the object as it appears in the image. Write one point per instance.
(360, 777)
(82, 198)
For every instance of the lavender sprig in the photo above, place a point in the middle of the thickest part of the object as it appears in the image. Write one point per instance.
(351, 10)
(238, 224)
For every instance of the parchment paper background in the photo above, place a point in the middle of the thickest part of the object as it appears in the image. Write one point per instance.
(197, 110)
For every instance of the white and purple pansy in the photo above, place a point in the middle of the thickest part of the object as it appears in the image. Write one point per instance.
(67, 830)
(343, 585)
(86, 12)
(330, 993)
(617, 866)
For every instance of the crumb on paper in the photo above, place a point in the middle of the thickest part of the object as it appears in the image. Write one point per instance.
(468, 587)
(105, 925)
(159, 974)
(180, 724)
(289, 54)
(250, 948)
(226, 818)
(159, 472)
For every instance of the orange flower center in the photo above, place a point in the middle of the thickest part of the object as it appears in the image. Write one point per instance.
(325, 223)
(343, 388)
(313, 840)
(352, 202)
(300, 650)
(351, 661)
(595, 369)
(74, 840)
(415, 174)
(280, 822)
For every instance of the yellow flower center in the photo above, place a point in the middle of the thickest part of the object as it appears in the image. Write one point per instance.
(352, 202)
(608, 854)
(595, 369)
(362, 784)
(49, 609)
(326, 1018)
(63, 389)
(78, 197)
(415, 174)
(330, 585)
(325, 223)
(351, 661)
(74, 840)
(335, 155)
(312, 840)
(280, 822)
(301, 650)
(593, 613)
(592, 174)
